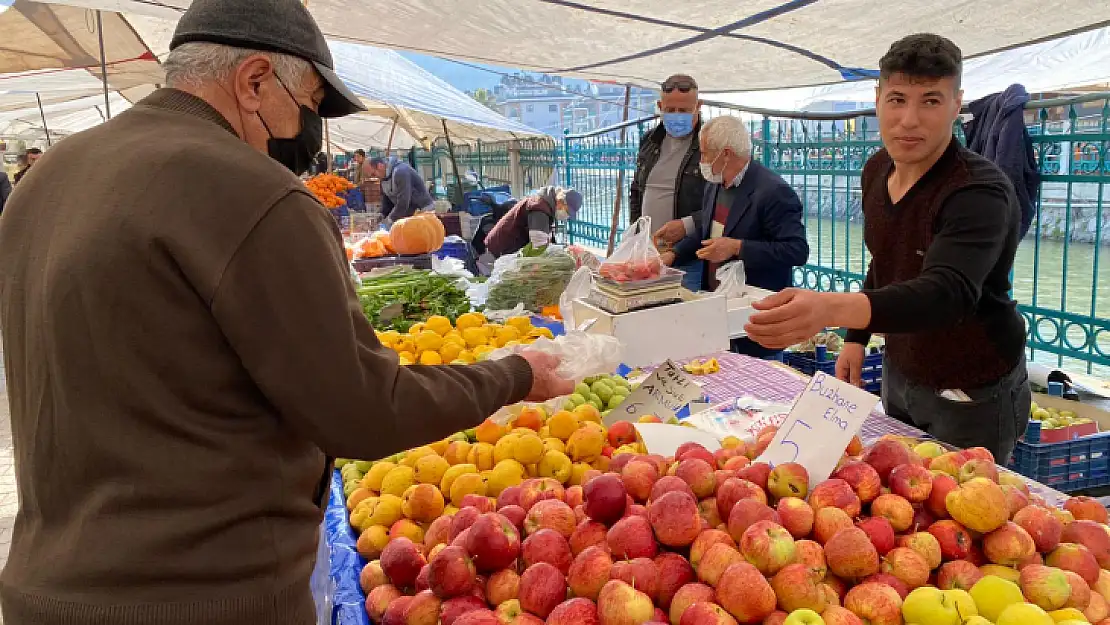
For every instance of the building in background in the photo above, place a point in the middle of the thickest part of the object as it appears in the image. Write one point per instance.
(553, 105)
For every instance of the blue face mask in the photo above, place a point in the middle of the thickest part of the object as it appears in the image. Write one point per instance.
(678, 124)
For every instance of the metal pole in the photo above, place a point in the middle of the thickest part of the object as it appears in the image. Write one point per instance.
(454, 165)
(327, 142)
(103, 64)
(45, 128)
(392, 129)
(618, 201)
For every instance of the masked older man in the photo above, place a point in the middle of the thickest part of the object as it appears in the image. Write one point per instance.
(185, 349)
(749, 213)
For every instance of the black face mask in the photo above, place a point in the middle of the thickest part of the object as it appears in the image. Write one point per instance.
(299, 152)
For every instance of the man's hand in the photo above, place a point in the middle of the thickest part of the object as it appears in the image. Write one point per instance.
(791, 316)
(667, 258)
(720, 249)
(672, 232)
(546, 384)
(849, 365)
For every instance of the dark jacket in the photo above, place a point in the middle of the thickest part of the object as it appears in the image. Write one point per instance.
(688, 186)
(998, 132)
(766, 215)
(5, 189)
(403, 191)
(511, 232)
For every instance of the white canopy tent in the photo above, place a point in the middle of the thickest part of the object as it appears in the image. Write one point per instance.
(1075, 62)
(728, 45)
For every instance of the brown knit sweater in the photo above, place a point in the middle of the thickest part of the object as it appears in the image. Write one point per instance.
(184, 349)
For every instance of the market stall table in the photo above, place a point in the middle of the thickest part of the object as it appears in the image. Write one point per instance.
(336, 579)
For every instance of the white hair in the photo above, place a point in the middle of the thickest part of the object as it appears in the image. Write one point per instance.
(729, 132)
(195, 63)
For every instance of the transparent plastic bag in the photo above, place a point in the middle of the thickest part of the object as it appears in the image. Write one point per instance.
(732, 280)
(534, 281)
(450, 266)
(578, 288)
(584, 257)
(500, 316)
(636, 258)
(581, 354)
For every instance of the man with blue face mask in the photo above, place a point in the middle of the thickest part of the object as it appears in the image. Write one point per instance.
(668, 183)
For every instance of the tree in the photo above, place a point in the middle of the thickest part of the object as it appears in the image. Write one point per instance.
(485, 98)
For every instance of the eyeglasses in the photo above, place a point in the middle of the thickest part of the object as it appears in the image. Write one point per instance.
(684, 84)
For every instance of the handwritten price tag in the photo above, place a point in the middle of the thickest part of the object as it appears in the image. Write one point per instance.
(822, 423)
(662, 394)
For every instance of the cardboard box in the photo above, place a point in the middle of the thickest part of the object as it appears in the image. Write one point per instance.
(697, 326)
(1100, 417)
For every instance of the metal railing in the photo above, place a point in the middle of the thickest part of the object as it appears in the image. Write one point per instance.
(1060, 279)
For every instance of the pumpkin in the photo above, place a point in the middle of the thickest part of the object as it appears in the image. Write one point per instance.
(417, 235)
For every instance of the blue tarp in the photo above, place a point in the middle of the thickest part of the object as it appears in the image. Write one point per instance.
(335, 584)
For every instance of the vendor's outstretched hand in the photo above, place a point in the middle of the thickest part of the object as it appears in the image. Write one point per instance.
(546, 384)
(791, 316)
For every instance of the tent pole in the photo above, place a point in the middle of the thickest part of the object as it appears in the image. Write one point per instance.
(45, 128)
(454, 165)
(327, 142)
(392, 129)
(618, 200)
(103, 63)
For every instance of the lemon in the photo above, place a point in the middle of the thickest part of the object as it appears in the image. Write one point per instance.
(449, 352)
(450, 475)
(505, 474)
(481, 455)
(389, 338)
(470, 320)
(555, 465)
(523, 325)
(505, 448)
(467, 356)
(578, 472)
(554, 444)
(384, 510)
(467, 484)
(482, 351)
(430, 469)
(529, 449)
(562, 424)
(430, 358)
(374, 477)
(405, 344)
(475, 337)
(416, 328)
(398, 480)
(428, 341)
(541, 332)
(506, 334)
(412, 455)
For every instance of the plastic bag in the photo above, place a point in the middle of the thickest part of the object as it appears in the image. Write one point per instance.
(582, 354)
(500, 316)
(450, 266)
(743, 417)
(534, 281)
(636, 258)
(584, 257)
(578, 288)
(732, 280)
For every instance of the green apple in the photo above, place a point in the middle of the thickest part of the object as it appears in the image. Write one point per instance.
(1024, 614)
(342, 462)
(929, 449)
(992, 595)
(929, 605)
(582, 389)
(804, 617)
(577, 399)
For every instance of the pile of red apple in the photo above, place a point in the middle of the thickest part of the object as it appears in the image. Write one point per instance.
(686, 541)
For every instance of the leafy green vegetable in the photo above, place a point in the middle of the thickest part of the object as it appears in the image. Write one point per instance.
(533, 281)
(421, 294)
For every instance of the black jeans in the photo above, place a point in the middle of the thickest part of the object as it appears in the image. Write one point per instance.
(994, 418)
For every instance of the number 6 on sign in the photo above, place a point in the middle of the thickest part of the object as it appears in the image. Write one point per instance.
(823, 420)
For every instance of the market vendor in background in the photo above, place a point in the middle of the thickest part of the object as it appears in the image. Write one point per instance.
(750, 213)
(26, 160)
(186, 351)
(403, 190)
(532, 220)
(360, 174)
(942, 225)
(668, 184)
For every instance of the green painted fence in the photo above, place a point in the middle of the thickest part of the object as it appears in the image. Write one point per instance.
(1061, 281)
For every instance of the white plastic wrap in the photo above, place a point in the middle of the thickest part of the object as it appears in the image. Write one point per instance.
(450, 267)
(743, 418)
(500, 316)
(732, 280)
(581, 354)
(578, 288)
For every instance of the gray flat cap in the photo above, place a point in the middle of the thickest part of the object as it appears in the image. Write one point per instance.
(282, 26)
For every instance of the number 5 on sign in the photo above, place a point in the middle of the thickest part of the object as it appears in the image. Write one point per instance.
(820, 425)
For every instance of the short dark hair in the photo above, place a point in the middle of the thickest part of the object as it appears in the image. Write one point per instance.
(923, 55)
(34, 151)
(360, 152)
(376, 161)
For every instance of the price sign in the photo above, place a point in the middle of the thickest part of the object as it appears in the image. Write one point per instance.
(820, 425)
(662, 394)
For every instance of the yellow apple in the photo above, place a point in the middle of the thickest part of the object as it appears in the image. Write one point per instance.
(993, 594)
(929, 605)
(1024, 614)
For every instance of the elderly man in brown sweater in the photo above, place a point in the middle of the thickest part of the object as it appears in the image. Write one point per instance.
(185, 350)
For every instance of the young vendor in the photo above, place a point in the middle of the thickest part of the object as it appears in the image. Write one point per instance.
(941, 223)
